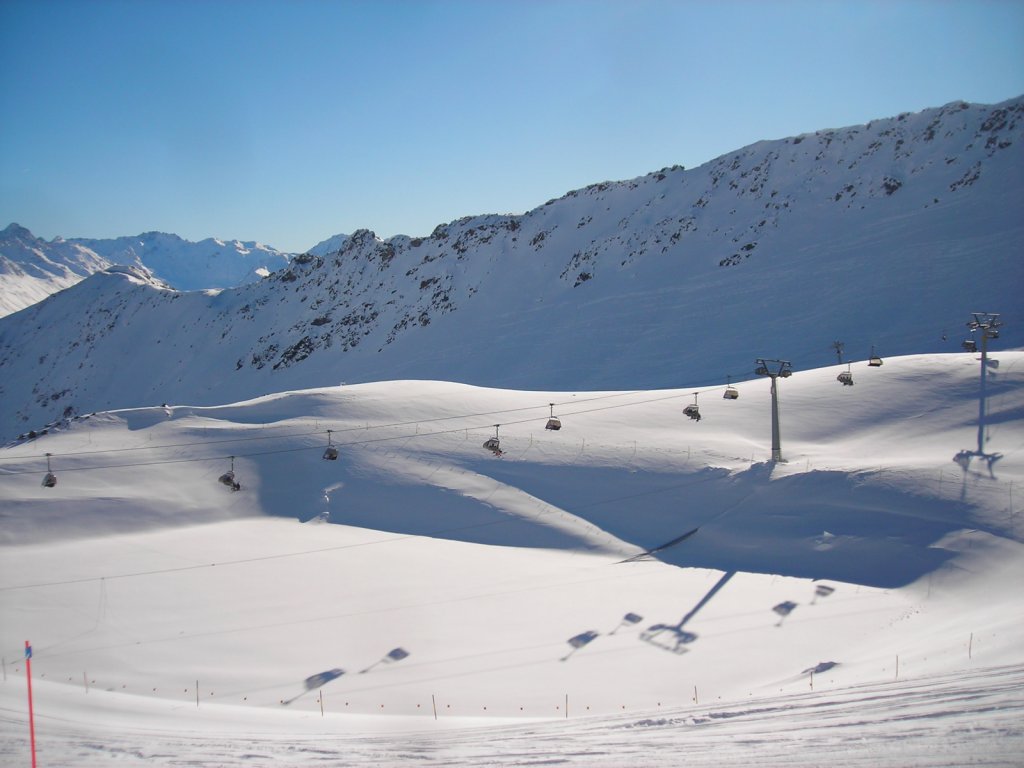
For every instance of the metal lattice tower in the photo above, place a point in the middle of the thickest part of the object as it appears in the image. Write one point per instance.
(988, 324)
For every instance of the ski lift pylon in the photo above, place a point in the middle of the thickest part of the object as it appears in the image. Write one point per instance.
(331, 454)
(553, 422)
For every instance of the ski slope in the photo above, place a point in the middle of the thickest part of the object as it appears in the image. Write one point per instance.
(630, 589)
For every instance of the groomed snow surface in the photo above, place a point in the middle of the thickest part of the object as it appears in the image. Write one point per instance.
(637, 588)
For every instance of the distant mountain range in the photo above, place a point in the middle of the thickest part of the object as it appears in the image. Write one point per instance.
(32, 268)
(884, 235)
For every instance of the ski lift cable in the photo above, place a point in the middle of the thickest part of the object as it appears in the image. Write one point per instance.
(174, 445)
(320, 431)
(401, 537)
(404, 436)
(890, 339)
(251, 454)
(311, 447)
(348, 429)
(159, 462)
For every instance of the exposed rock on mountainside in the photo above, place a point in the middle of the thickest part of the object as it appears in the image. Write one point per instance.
(888, 234)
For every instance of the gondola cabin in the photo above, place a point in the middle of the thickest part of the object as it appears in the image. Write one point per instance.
(731, 393)
(50, 479)
(969, 346)
(692, 411)
(331, 453)
(553, 422)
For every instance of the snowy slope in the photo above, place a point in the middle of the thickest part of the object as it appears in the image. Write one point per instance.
(330, 245)
(887, 234)
(31, 268)
(140, 576)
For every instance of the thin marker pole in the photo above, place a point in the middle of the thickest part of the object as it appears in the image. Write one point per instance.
(434, 702)
(31, 712)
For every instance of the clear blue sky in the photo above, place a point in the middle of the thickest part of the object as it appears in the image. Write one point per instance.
(288, 122)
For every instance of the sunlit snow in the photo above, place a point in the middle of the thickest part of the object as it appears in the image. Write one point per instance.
(858, 604)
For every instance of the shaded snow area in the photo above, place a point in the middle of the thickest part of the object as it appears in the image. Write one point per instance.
(636, 588)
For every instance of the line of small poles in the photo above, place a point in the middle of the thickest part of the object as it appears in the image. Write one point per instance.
(321, 699)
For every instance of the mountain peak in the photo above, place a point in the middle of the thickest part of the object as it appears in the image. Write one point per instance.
(15, 230)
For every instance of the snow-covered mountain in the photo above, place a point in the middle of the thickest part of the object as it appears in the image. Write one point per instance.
(884, 235)
(32, 268)
(328, 246)
(191, 266)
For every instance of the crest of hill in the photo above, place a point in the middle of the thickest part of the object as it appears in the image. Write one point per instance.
(887, 234)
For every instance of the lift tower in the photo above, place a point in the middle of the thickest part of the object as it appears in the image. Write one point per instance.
(775, 369)
(988, 324)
